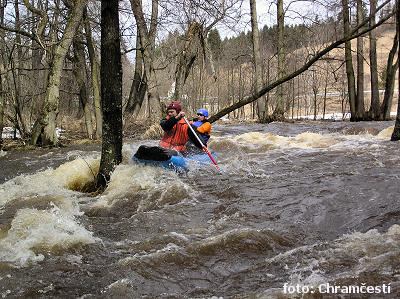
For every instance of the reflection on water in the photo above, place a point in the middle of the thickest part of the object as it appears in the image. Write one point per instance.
(295, 204)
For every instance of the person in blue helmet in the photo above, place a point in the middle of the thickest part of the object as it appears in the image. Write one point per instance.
(201, 126)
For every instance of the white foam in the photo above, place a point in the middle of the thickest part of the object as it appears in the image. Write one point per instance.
(34, 232)
(373, 251)
(48, 183)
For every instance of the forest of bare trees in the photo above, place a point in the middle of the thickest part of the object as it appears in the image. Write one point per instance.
(324, 60)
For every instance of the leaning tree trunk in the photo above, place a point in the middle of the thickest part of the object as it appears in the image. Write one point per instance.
(360, 107)
(374, 110)
(111, 91)
(81, 79)
(396, 131)
(391, 69)
(45, 125)
(255, 36)
(95, 75)
(351, 83)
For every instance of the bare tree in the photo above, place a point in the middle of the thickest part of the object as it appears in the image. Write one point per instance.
(147, 39)
(95, 74)
(45, 125)
(257, 59)
(139, 83)
(351, 84)
(360, 109)
(2, 43)
(279, 111)
(313, 59)
(81, 78)
(374, 108)
(111, 91)
(391, 68)
(396, 132)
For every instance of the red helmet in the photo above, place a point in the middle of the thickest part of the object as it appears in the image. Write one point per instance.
(175, 105)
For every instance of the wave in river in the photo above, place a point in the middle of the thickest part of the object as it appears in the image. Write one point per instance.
(35, 232)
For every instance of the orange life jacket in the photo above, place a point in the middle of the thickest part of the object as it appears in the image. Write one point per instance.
(177, 137)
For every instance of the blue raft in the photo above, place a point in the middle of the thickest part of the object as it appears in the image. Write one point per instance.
(168, 159)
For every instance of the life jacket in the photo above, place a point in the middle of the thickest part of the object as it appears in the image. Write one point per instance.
(177, 137)
(204, 129)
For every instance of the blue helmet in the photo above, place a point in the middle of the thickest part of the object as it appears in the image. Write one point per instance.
(203, 111)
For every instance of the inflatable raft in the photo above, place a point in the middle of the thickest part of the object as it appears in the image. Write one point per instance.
(165, 158)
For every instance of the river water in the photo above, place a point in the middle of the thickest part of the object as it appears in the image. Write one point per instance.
(304, 205)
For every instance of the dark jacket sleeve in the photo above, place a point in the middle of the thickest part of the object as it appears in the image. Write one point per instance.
(193, 138)
(168, 124)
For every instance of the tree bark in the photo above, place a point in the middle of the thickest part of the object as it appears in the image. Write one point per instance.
(45, 125)
(16, 72)
(147, 38)
(39, 77)
(279, 111)
(396, 132)
(95, 75)
(255, 36)
(187, 56)
(139, 83)
(351, 84)
(374, 110)
(391, 69)
(2, 43)
(81, 79)
(111, 91)
(360, 107)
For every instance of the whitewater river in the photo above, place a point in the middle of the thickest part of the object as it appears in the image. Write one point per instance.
(304, 207)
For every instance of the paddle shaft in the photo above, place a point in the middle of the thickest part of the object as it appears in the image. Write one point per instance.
(202, 145)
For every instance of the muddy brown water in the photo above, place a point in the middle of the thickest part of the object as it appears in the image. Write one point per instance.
(295, 205)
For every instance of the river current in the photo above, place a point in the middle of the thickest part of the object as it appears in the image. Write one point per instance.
(306, 206)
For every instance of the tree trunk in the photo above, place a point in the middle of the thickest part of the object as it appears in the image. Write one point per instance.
(16, 72)
(95, 75)
(147, 38)
(396, 132)
(351, 84)
(315, 93)
(360, 107)
(255, 36)
(45, 125)
(38, 79)
(325, 93)
(111, 91)
(374, 110)
(81, 79)
(279, 111)
(187, 56)
(390, 80)
(139, 85)
(2, 43)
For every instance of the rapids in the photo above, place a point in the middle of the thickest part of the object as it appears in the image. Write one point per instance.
(303, 204)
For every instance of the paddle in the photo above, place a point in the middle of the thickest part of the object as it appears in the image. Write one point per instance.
(202, 145)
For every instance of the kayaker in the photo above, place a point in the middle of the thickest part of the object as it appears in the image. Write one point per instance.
(175, 129)
(202, 127)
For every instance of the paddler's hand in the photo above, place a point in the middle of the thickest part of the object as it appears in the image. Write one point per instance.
(180, 115)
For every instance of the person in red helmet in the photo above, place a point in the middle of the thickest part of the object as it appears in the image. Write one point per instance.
(175, 128)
